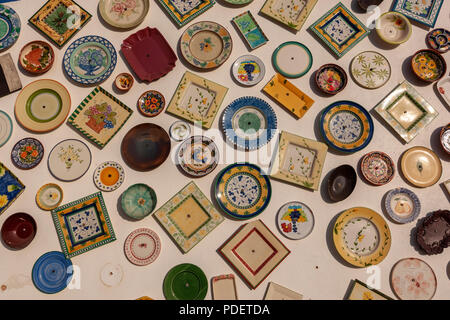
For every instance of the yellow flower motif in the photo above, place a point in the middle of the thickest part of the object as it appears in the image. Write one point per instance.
(306, 160)
(360, 238)
(367, 295)
(3, 200)
(172, 229)
(431, 64)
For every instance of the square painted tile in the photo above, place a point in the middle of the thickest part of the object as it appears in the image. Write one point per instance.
(292, 13)
(250, 30)
(10, 188)
(422, 11)
(183, 11)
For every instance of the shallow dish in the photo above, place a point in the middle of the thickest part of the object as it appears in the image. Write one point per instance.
(109, 176)
(248, 70)
(6, 127)
(18, 230)
(402, 205)
(142, 246)
(445, 138)
(151, 103)
(393, 28)
(295, 220)
(11, 26)
(370, 70)
(421, 167)
(179, 130)
(138, 201)
(428, 65)
(49, 196)
(27, 153)
(377, 168)
(182, 11)
(292, 59)
(185, 282)
(341, 182)
(198, 156)
(123, 14)
(124, 82)
(52, 272)
(433, 236)
(37, 57)
(439, 39)
(331, 78)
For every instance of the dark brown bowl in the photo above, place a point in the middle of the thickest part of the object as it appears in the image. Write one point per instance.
(145, 147)
(336, 69)
(341, 182)
(364, 4)
(433, 235)
(18, 230)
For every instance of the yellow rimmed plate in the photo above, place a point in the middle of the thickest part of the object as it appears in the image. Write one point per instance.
(49, 196)
(362, 237)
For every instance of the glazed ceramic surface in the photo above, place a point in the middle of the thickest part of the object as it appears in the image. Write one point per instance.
(248, 70)
(393, 28)
(182, 11)
(10, 27)
(433, 235)
(428, 65)
(18, 231)
(198, 156)
(151, 103)
(365, 4)
(109, 176)
(292, 59)
(52, 272)
(295, 220)
(243, 191)
(69, 160)
(111, 274)
(277, 292)
(402, 205)
(124, 82)
(445, 138)
(185, 282)
(370, 70)
(250, 30)
(339, 29)
(52, 20)
(443, 87)
(10, 188)
(27, 153)
(292, 13)
(361, 291)
(142, 246)
(249, 123)
(42, 106)
(145, 147)
(206, 45)
(37, 57)
(425, 12)
(439, 39)
(49, 196)
(138, 201)
(377, 168)
(10, 77)
(421, 167)
(346, 126)
(413, 279)
(179, 130)
(224, 287)
(6, 127)
(331, 78)
(123, 14)
(341, 182)
(362, 237)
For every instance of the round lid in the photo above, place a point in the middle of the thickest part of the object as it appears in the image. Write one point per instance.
(142, 246)
(292, 59)
(18, 230)
(198, 156)
(370, 70)
(52, 272)
(49, 196)
(124, 14)
(185, 282)
(27, 153)
(402, 205)
(421, 166)
(377, 168)
(295, 220)
(151, 103)
(6, 127)
(138, 201)
(109, 176)
(179, 130)
(111, 274)
(248, 70)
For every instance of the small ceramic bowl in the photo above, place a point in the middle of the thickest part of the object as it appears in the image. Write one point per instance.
(428, 65)
(341, 182)
(364, 4)
(445, 138)
(18, 231)
(36, 57)
(393, 27)
(439, 39)
(124, 82)
(331, 78)
(377, 168)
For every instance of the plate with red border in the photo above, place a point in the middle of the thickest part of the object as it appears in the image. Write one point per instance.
(142, 246)
(377, 168)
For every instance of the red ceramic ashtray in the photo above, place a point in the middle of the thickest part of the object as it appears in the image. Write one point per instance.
(148, 54)
(18, 230)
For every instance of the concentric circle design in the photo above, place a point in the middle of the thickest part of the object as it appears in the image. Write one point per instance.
(138, 201)
(185, 282)
(142, 246)
(27, 153)
(52, 272)
(49, 196)
(10, 27)
(377, 168)
(292, 59)
(198, 156)
(6, 127)
(402, 205)
(109, 176)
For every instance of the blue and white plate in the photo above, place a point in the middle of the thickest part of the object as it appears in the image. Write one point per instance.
(249, 123)
(52, 272)
(90, 60)
(402, 205)
(9, 27)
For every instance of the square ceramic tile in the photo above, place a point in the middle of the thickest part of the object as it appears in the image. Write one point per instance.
(254, 252)
(197, 99)
(83, 225)
(8, 72)
(59, 20)
(360, 291)
(425, 12)
(339, 29)
(188, 217)
(10, 188)
(292, 13)
(298, 160)
(277, 292)
(406, 111)
(100, 116)
(224, 287)
(183, 11)
(250, 30)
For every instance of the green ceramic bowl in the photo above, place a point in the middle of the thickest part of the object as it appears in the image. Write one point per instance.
(138, 201)
(185, 282)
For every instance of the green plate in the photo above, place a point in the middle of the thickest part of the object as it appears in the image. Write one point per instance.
(185, 282)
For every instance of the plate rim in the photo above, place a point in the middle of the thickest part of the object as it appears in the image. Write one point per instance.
(283, 73)
(433, 155)
(132, 235)
(40, 204)
(102, 8)
(43, 258)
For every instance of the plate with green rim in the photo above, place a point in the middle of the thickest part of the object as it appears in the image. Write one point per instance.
(138, 201)
(185, 282)
(292, 59)
(6, 127)
(9, 27)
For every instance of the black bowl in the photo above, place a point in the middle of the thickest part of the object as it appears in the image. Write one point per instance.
(341, 182)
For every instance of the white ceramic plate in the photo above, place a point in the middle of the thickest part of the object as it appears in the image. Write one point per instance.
(5, 128)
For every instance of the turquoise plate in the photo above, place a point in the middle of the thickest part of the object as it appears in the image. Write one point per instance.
(138, 201)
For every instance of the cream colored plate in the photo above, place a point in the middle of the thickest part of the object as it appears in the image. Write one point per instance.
(421, 167)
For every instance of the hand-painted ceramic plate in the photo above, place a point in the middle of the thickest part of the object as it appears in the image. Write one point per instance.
(393, 28)
(123, 14)
(180, 130)
(402, 205)
(346, 126)
(243, 190)
(421, 166)
(90, 60)
(331, 78)
(362, 237)
(6, 127)
(249, 123)
(443, 87)
(206, 44)
(124, 82)
(295, 220)
(111, 274)
(49, 196)
(428, 65)
(292, 59)
(69, 160)
(444, 138)
(439, 39)
(109, 176)
(27, 153)
(37, 57)
(9, 27)
(185, 282)
(198, 156)
(142, 246)
(138, 201)
(377, 168)
(248, 70)
(413, 279)
(52, 272)
(238, 2)
(370, 70)
(341, 182)
(151, 103)
(42, 106)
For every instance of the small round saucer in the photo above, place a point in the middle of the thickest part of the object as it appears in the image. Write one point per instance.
(248, 70)
(331, 78)
(377, 168)
(428, 65)
(402, 205)
(49, 196)
(151, 103)
(27, 153)
(18, 230)
(111, 275)
(179, 130)
(393, 27)
(52, 272)
(138, 201)
(198, 156)
(185, 282)
(142, 246)
(295, 220)
(439, 39)
(292, 59)
(124, 82)
(341, 182)
(421, 166)
(444, 138)
(109, 176)
(36, 57)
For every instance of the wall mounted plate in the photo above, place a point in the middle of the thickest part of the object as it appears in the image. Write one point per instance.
(123, 82)
(428, 65)
(6, 127)
(277, 292)
(331, 78)
(9, 77)
(111, 274)
(370, 70)
(421, 166)
(224, 287)
(292, 59)
(109, 176)
(179, 130)
(198, 156)
(151, 103)
(37, 57)
(52, 272)
(377, 168)
(295, 220)
(18, 231)
(433, 232)
(138, 201)
(11, 26)
(182, 11)
(439, 39)
(248, 70)
(10, 188)
(250, 30)
(185, 282)
(49, 196)
(142, 246)
(360, 291)
(123, 14)
(341, 182)
(424, 12)
(238, 2)
(27, 153)
(393, 28)
(444, 138)
(402, 205)
(293, 14)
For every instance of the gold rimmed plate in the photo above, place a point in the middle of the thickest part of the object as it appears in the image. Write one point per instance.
(49, 196)
(421, 167)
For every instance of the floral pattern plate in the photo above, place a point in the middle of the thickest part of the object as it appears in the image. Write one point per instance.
(138, 201)
(439, 39)
(124, 82)
(393, 28)
(292, 13)
(425, 12)
(142, 246)
(90, 60)
(292, 59)
(249, 123)
(123, 14)
(10, 27)
(6, 127)
(428, 65)
(370, 70)
(362, 237)
(346, 126)
(10, 188)
(49, 196)
(248, 70)
(69, 160)
(109, 176)
(402, 205)
(295, 220)
(243, 190)
(198, 156)
(361, 291)
(37, 57)
(421, 166)
(183, 11)
(331, 78)
(413, 279)
(206, 45)
(377, 168)
(151, 103)
(27, 153)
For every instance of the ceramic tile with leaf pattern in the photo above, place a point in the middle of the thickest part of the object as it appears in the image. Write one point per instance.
(292, 13)
(361, 291)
